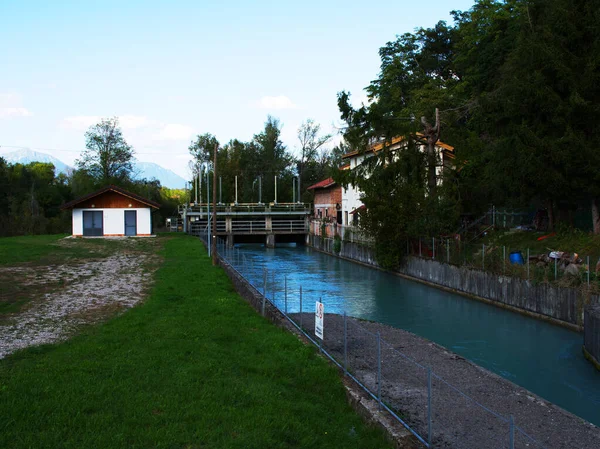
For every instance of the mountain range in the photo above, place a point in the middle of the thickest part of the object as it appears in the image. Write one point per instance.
(148, 170)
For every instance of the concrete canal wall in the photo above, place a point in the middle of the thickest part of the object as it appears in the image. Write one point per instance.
(591, 334)
(562, 305)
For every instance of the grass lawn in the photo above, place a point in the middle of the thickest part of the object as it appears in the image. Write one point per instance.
(193, 367)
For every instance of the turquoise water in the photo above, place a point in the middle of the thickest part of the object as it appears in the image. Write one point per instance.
(541, 357)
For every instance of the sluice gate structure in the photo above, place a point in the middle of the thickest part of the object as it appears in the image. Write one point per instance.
(269, 223)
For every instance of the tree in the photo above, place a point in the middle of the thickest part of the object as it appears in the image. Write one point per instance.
(310, 143)
(201, 148)
(107, 157)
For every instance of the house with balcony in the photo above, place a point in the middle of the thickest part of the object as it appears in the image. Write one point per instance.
(351, 202)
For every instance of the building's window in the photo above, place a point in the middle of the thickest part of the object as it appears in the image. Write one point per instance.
(326, 212)
(346, 218)
(355, 219)
(320, 213)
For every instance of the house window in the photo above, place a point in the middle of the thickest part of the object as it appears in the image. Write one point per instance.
(346, 218)
(320, 213)
(326, 212)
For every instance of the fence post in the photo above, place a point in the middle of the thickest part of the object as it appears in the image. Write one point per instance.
(511, 436)
(527, 263)
(429, 435)
(264, 298)
(300, 307)
(320, 339)
(379, 369)
(555, 268)
(285, 292)
(433, 248)
(504, 260)
(419, 246)
(447, 251)
(345, 343)
(483, 256)
(588, 270)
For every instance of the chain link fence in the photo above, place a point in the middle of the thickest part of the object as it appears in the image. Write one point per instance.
(436, 412)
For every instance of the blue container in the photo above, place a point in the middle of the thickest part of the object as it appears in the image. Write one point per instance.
(516, 258)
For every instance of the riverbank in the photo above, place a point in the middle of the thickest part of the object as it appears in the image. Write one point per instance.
(192, 366)
(467, 425)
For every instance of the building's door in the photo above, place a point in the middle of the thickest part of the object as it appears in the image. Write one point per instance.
(93, 223)
(131, 222)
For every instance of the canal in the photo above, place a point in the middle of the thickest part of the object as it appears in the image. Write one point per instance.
(543, 358)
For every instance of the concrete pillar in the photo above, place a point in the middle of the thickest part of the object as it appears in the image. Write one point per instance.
(228, 224)
(270, 242)
(185, 220)
(268, 223)
(230, 240)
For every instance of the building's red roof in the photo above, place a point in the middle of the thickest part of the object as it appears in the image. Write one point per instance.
(358, 209)
(323, 184)
(113, 188)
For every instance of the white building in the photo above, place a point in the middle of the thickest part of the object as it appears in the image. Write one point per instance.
(111, 211)
(351, 203)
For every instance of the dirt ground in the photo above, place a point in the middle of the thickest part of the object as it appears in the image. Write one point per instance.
(52, 301)
(457, 420)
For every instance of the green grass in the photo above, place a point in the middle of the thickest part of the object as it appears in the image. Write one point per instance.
(48, 249)
(193, 367)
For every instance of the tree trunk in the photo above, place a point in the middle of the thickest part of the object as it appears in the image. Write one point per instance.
(551, 218)
(596, 215)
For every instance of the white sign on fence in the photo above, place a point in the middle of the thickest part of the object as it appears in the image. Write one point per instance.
(319, 320)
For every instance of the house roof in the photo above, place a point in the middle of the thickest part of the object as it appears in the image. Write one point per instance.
(358, 209)
(110, 188)
(449, 149)
(322, 184)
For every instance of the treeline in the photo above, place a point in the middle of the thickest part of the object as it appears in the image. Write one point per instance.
(256, 164)
(31, 196)
(514, 86)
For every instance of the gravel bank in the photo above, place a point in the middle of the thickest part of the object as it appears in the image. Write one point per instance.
(458, 422)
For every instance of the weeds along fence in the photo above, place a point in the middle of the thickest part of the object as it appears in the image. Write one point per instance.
(437, 413)
(568, 269)
(346, 233)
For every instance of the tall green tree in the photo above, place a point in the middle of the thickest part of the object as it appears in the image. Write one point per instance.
(108, 157)
(311, 142)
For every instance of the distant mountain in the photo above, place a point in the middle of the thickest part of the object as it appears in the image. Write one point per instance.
(150, 170)
(26, 156)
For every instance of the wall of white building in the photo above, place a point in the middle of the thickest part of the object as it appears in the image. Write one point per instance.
(114, 220)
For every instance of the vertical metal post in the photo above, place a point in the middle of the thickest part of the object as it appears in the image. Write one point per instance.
(208, 239)
(419, 246)
(433, 246)
(555, 268)
(447, 251)
(429, 431)
(320, 340)
(220, 190)
(511, 436)
(236, 190)
(294, 189)
(275, 189)
(379, 369)
(527, 263)
(588, 270)
(345, 343)
(483, 256)
(300, 307)
(264, 291)
(260, 190)
(503, 259)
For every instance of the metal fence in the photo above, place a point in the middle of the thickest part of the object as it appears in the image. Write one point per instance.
(346, 233)
(571, 269)
(436, 412)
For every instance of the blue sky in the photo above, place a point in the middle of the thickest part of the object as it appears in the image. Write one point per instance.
(171, 70)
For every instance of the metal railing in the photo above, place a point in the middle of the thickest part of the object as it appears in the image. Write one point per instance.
(288, 226)
(248, 226)
(350, 234)
(411, 392)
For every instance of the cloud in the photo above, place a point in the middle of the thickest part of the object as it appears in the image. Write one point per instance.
(10, 106)
(175, 131)
(79, 122)
(15, 112)
(134, 121)
(280, 102)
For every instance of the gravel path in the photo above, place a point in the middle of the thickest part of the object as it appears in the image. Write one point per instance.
(90, 292)
(458, 422)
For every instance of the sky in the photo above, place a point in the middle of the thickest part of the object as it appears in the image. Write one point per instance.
(172, 70)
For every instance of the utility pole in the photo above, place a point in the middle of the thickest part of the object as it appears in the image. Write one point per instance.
(208, 239)
(213, 242)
